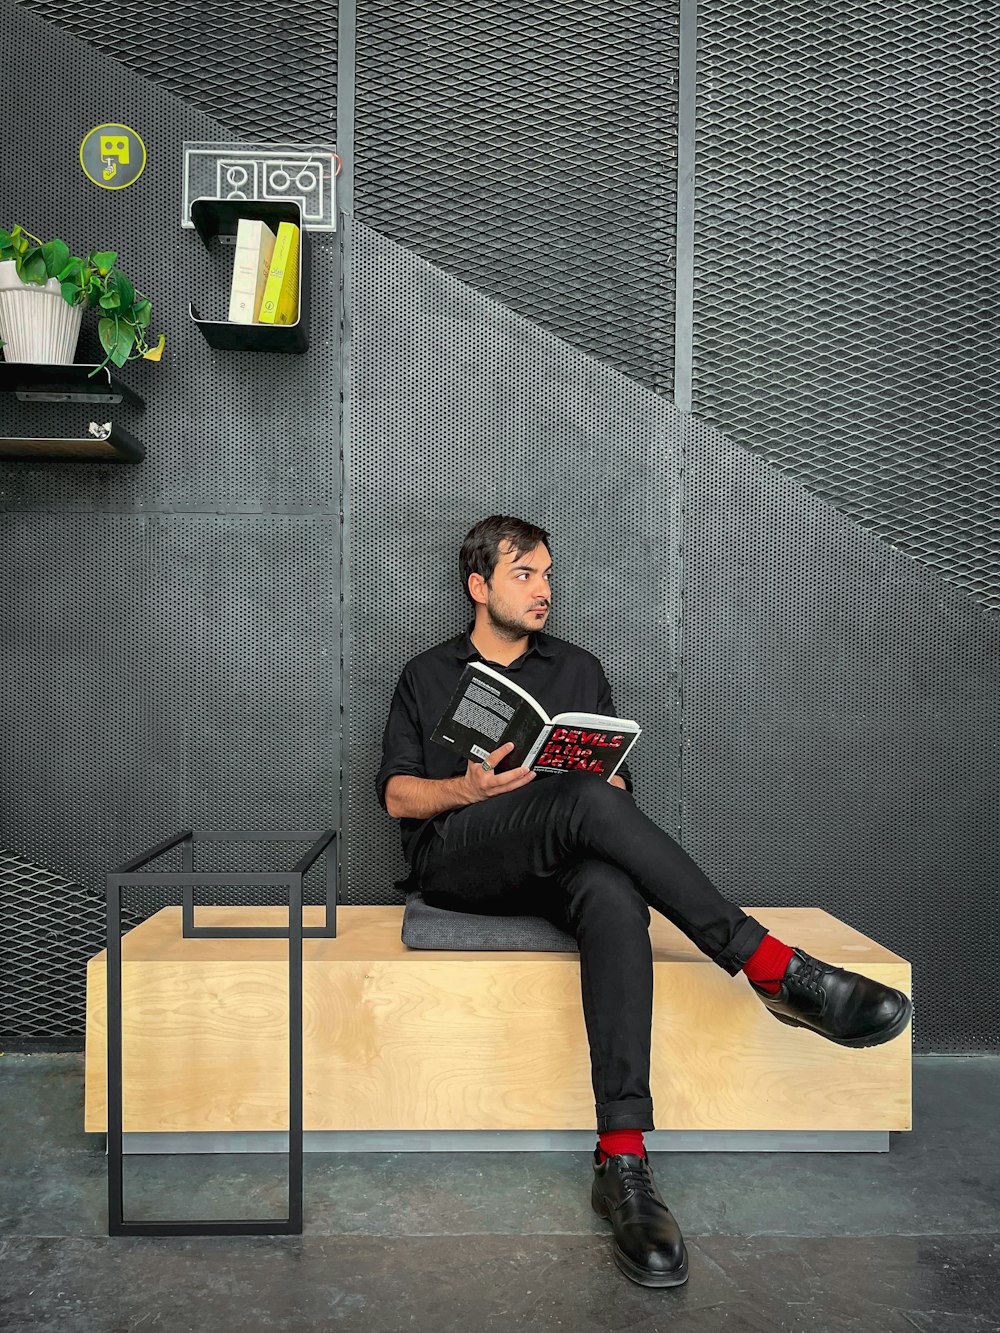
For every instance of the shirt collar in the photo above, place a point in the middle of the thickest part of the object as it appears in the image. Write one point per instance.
(538, 642)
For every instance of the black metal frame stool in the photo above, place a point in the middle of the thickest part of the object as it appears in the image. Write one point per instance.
(323, 841)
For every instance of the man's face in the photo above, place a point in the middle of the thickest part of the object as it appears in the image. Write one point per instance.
(519, 595)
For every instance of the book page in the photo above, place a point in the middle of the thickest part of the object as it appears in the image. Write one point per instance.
(595, 720)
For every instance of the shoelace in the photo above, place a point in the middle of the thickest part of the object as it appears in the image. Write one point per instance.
(808, 974)
(636, 1177)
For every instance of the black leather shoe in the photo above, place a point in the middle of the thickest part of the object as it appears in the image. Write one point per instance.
(845, 1007)
(648, 1246)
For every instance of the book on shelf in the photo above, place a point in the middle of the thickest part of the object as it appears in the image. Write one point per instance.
(487, 710)
(280, 304)
(251, 266)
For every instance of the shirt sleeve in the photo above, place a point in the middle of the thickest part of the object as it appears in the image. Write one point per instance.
(402, 741)
(606, 704)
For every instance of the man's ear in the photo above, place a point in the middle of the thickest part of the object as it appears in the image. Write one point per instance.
(478, 589)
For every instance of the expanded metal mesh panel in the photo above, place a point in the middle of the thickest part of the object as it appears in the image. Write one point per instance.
(50, 929)
(224, 431)
(461, 409)
(530, 149)
(846, 283)
(52, 926)
(268, 71)
(161, 672)
(841, 714)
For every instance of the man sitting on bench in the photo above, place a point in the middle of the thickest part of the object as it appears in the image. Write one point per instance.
(580, 852)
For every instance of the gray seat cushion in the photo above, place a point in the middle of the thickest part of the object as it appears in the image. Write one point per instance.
(426, 927)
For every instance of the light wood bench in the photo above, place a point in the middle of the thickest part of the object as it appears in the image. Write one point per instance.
(401, 1039)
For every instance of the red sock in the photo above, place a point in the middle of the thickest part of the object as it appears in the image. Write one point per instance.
(766, 965)
(614, 1141)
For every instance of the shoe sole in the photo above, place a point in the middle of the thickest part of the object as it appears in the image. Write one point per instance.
(898, 1025)
(643, 1276)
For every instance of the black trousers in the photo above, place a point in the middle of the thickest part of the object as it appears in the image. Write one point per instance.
(581, 853)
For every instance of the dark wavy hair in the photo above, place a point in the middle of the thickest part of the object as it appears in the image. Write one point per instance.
(481, 548)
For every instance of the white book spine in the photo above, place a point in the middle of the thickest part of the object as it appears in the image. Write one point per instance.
(532, 754)
(251, 265)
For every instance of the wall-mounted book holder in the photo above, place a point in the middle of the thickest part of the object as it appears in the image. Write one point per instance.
(220, 218)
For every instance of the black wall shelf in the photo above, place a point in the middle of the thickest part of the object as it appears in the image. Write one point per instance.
(104, 444)
(46, 383)
(220, 217)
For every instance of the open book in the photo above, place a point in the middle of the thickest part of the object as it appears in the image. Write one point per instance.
(487, 710)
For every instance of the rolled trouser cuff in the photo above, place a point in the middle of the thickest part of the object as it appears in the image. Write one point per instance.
(631, 1113)
(748, 938)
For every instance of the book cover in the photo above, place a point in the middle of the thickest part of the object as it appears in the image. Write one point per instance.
(251, 265)
(280, 303)
(488, 710)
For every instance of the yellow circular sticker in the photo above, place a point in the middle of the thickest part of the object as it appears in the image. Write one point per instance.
(112, 156)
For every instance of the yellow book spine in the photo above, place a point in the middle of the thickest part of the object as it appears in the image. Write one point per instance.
(288, 301)
(280, 303)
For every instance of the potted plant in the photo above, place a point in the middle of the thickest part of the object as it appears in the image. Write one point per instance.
(44, 291)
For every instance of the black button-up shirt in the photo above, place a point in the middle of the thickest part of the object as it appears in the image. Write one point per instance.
(559, 675)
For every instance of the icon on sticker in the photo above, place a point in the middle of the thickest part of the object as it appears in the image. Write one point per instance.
(112, 156)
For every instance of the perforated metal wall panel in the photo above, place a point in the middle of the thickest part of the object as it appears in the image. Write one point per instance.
(171, 645)
(461, 409)
(266, 71)
(841, 715)
(839, 706)
(530, 149)
(224, 431)
(846, 283)
(170, 671)
(174, 645)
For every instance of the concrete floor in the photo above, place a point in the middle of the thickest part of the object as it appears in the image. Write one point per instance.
(873, 1243)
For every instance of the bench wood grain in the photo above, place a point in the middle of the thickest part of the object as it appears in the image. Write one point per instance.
(400, 1039)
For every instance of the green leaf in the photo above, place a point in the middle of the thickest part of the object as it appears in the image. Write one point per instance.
(71, 272)
(117, 338)
(71, 292)
(106, 332)
(104, 261)
(124, 343)
(141, 312)
(56, 257)
(33, 268)
(98, 287)
(125, 289)
(110, 301)
(5, 239)
(89, 281)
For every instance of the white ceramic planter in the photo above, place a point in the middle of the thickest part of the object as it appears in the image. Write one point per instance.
(36, 324)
